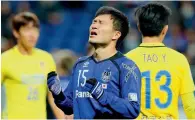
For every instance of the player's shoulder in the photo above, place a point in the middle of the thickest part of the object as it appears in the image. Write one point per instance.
(124, 62)
(7, 54)
(175, 54)
(132, 52)
(82, 59)
(126, 65)
(120, 58)
(42, 52)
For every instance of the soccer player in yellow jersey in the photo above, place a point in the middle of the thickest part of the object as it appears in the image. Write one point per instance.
(24, 72)
(166, 73)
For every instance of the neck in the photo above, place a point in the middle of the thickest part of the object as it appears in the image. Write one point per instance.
(151, 40)
(104, 52)
(24, 50)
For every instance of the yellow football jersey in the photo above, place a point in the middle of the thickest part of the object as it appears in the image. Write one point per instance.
(24, 85)
(165, 75)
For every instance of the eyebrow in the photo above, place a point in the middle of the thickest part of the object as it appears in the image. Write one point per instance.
(98, 20)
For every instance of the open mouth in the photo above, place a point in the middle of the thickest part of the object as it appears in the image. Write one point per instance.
(93, 33)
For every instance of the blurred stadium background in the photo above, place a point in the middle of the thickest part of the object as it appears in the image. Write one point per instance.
(65, 25)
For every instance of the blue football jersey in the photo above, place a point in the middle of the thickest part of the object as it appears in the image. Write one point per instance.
(121, 81)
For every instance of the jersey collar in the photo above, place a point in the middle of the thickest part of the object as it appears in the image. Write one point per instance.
(19, 53)
(116, 56)
(152, 45)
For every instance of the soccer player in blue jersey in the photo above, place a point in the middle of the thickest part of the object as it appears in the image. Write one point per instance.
(106, 84)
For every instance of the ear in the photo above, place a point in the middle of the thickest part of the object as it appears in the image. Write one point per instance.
(16, 34)
(138, 26)
(164, 30)
(117, 35)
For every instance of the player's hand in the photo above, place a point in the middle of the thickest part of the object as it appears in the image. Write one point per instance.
(94, 87)
(53, 83)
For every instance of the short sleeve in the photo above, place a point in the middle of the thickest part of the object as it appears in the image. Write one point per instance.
(52, 64)
(187, 84)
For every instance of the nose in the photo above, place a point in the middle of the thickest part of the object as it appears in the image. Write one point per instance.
(32, 35)
(94, 26)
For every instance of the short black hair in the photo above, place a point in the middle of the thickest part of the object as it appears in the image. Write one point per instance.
(152, 18)
(23, 19)
(120, 20)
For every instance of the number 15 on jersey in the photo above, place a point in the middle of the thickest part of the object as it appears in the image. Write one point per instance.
(82, 77)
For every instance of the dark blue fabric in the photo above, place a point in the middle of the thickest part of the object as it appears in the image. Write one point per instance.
(120, 79)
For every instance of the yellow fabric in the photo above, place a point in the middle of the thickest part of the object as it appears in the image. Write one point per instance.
(23, 84)
(166, 73)
(188, 101)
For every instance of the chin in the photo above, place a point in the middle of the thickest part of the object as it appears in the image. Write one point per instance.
(92, 41)
(31, 45)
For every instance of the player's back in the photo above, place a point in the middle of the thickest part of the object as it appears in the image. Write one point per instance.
(163, 78)
(24, 84)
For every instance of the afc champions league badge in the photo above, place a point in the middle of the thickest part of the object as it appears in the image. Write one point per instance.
(106, 75)
(42, 65)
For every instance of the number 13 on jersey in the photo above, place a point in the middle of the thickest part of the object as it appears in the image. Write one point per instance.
(164, 87)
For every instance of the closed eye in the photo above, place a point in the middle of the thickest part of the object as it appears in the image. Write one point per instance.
(94, 21)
